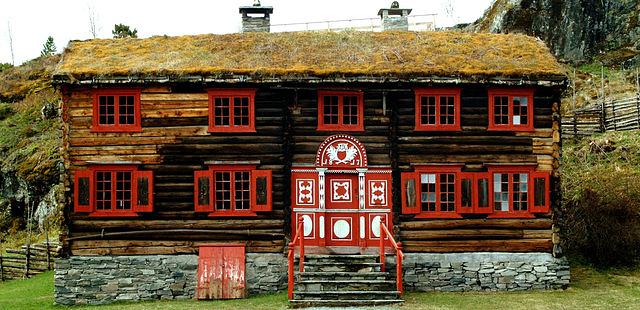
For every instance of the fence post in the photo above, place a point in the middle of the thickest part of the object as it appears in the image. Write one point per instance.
(613, 113)
(1, 268)
(603, 118)
(26, 265)
(575, 126)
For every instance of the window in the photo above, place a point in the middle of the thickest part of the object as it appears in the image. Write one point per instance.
(502, 192)
(343, 111)
(232, 190)
(518, 191)
(232, 110)
(437, 189)
(113, 191)
(437, 109)
(116, 111)
(511, 110)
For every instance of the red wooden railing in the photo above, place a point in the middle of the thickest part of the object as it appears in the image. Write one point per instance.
(399, 255)
(300, 237)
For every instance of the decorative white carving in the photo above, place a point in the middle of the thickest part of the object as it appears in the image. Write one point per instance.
(341, 229)
(362, 232)
(377, 192)
(341, 190)
(375, 226)
(307, 225)
(306, 192)
(348, 153)
(321, 227)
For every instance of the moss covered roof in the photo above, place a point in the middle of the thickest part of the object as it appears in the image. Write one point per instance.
(319, 54)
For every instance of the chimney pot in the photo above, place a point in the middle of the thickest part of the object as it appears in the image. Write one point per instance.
(256, 18)
(394, 18)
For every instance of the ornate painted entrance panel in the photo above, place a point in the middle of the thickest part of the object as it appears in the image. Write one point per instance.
(340, 199)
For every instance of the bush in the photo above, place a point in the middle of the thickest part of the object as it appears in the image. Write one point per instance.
(601, 199)
(5, 110)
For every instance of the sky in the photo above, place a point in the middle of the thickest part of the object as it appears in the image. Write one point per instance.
(30, 22)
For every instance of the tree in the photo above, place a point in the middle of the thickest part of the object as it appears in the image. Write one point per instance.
(93, 22)
(124, 31)
(5, 66)
(49, 47)
(10, 42)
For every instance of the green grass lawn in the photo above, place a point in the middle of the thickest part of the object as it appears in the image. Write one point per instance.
(591, 289)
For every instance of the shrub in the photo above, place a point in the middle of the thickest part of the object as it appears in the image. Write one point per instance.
(601, 199)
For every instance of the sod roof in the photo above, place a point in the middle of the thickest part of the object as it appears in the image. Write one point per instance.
(391, 54)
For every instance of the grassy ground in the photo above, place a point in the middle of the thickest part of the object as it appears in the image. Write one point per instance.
(591, 289)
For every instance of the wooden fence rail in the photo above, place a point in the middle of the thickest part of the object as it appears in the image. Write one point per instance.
(28, 261)
(614, 115)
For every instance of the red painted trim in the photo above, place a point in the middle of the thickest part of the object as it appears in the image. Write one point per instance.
(530, 170)
(97, 127)
(547, 203)
(437, 170)
(213, 212)
(104, 213)
(340, 126)
(231, 94)
(517, 92)
(217, 245)
(437, 92)
(77, 207)
(510, 215)
(134, 195)
(255, 174)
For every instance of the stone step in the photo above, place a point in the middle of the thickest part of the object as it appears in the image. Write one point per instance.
(347, 295)
(344, 285)
(342, 275)
(342, 266)
(343, 303)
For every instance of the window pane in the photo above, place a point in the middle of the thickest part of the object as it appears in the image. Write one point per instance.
(106, 110)
(103, 190)
(123, 190)
(447, 110)
(520, 111)
(428, 190)
(241, 111)
(221, 111)
(428, 110)
(501, 191)
(350, 110)
(467, 194)
(447, 192)
(501, 110)
(143, 191)
(242, 190)
(83, 191)
(540, 192)
(330, 106)
(483, 193)
(126, 112)
(203, 191)
(520, 191)
(223, 190)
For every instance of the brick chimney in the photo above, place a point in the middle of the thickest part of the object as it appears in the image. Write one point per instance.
(255, 18)
(394, 18)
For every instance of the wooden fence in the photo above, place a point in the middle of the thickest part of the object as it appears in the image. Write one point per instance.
(614, 115)
(28, 261)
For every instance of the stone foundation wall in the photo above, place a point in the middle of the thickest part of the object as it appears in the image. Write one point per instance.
(458, 272)
(106, 279)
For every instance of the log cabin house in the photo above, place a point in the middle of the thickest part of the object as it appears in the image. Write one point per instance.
(194, 161)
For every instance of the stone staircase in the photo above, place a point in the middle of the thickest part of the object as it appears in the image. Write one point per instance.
(343, 281)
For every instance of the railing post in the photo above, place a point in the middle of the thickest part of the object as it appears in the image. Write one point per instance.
(290, 273)
(300, 234)
(399, 268)
(382, 235)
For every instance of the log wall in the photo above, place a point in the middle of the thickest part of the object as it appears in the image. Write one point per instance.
(174, 142)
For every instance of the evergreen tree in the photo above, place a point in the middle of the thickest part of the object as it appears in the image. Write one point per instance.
(124, 31)
(5, 66)
(49, 47)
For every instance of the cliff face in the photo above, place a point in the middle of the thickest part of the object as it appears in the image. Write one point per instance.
(575, 30)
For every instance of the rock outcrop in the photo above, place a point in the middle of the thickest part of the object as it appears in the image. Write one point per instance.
(575, 30)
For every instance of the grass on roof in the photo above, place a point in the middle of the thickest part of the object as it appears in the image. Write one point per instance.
(349, 53)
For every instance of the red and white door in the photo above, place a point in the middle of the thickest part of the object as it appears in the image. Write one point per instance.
(340, 200)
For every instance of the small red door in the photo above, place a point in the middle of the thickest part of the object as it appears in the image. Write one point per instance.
(221, 272)
(342, 203)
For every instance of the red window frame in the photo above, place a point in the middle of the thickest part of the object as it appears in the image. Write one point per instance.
(511, 93)
(91, 173)
(340, 125)
(232, 94)
(209, 176)
(438, 93)
(532, 174)
(116, 127)
(411, 201)
(437, 170)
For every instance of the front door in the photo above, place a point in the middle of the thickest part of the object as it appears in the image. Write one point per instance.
(341, 215)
